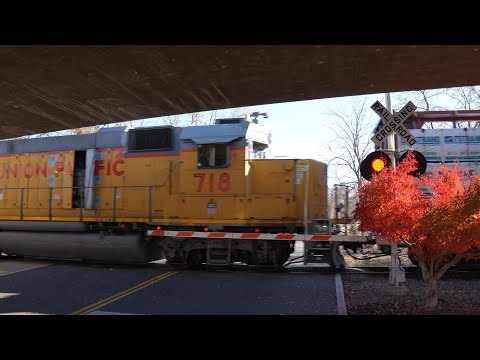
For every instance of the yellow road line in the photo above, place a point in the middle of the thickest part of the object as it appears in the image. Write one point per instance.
(121, 295)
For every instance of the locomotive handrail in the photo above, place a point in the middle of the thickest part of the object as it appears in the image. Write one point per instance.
(49, 205)
(81, 208)
(21, 202)
(115, 189)
(114, 216)
(170, 172)
(80, 187)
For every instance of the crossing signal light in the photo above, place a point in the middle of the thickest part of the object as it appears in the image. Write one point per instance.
(374, 163)
(421, 162)
(378, 160)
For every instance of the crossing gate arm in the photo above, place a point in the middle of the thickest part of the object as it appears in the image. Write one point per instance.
(258, 236)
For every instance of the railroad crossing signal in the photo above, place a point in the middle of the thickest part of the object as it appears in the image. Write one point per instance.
(374, 163)
(420, 159)
(377, 161)
(393, 123)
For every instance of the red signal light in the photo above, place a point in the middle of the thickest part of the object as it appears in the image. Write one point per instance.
(257, 230)
(378, 164)
(377, 161)
(205, 228)
(159, 227)
(374, 163)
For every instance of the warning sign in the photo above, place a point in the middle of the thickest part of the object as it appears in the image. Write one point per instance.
(393, 123)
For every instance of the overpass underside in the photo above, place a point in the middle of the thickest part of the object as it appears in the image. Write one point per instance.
(49, 88)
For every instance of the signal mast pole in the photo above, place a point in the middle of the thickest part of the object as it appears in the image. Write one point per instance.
(391, 145)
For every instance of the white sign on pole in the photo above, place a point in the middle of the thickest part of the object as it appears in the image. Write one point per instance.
(393, 123)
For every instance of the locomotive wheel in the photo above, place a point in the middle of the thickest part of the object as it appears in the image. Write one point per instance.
(195, 259)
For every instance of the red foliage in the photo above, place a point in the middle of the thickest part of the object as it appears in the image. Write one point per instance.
(438, 214)
(391, 203)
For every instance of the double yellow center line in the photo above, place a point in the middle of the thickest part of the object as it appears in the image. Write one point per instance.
(121, 295)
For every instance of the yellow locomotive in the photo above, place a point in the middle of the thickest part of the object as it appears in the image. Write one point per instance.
(99, 196)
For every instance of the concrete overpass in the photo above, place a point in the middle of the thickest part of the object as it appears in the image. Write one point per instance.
(49, 88)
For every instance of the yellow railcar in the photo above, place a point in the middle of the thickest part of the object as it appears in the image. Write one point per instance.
(96, 196)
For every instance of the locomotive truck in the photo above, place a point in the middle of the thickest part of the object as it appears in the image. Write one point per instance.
(191, 195)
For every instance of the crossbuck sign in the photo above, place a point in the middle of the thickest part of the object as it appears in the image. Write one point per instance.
(393, 123)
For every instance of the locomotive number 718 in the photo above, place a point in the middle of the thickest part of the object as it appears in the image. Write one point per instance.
(223, 183)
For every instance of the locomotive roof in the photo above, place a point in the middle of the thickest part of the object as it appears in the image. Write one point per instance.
(225, 133)
(104, 139)
(117, 137)
(209, 134)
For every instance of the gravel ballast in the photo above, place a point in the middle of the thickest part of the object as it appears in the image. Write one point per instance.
(368, 293)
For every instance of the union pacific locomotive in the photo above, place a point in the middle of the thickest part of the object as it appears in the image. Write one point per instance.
(119, 194)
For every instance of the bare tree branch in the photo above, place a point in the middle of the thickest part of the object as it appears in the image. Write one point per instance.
(352, 136)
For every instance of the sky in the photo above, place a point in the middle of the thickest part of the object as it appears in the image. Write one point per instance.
(303, 129)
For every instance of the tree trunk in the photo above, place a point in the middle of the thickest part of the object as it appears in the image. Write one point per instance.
(431, 293)
(432, 271)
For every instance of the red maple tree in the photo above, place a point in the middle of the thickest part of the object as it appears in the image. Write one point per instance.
(437, 216)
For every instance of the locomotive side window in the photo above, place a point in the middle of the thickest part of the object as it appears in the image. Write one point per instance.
(212, 155)
(259, 150)
(220, 155)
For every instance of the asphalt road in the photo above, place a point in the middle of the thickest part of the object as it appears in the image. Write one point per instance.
(39, 287)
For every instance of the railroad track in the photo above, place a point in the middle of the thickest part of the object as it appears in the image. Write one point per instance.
(412, 270)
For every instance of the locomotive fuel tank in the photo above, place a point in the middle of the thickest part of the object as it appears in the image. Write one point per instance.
(95, 246)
